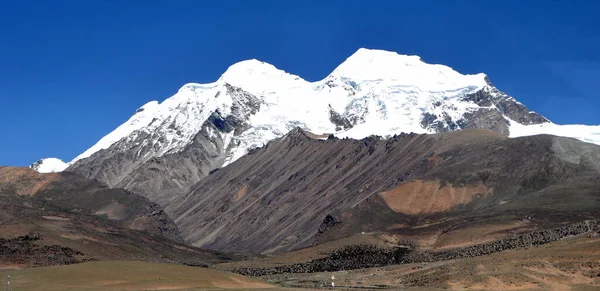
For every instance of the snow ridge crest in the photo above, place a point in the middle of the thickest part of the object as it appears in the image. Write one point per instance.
(373, 92)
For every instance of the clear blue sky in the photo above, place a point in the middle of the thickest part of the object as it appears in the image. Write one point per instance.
(71, 71)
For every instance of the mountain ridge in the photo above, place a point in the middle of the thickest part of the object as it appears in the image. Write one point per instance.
(373, 92)
(249, 64)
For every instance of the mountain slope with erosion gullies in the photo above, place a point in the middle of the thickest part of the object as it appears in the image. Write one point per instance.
(438, 190)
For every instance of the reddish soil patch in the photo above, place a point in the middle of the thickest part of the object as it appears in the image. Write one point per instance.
(241, 193)
(422, 197)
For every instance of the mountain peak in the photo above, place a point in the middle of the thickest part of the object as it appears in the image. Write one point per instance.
(257, 76)
(376, 66)
(297, 132)
(250, 66)
(148, 106)
(370, 54)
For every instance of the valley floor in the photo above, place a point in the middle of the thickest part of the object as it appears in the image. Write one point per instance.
(127, 275)
(571, 264)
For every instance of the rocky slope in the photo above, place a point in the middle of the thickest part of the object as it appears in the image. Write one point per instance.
(157, 162)
(166, 147)
(298, 191)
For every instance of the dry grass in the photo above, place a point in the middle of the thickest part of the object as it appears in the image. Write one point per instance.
(124, 275)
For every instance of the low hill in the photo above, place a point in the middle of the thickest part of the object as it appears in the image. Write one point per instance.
(63, 218)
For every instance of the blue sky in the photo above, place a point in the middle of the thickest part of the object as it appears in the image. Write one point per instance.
(72, 71)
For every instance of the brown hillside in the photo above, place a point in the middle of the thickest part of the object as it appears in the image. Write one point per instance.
(63, 218)
(298, 191)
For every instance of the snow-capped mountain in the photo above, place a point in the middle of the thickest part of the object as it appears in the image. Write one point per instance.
(166, 147)
(49, 165)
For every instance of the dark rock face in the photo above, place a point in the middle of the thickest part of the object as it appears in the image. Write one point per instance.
(485, 119)
(341, 122)
(244, 106)
(328, 223)
(431, 121)
(506, 105)
(494, 106)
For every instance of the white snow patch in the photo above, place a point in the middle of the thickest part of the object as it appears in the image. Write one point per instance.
(49, 165)
(586, 133)
(373, 66)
